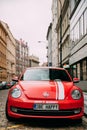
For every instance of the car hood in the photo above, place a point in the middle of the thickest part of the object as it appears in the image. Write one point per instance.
(46, 89)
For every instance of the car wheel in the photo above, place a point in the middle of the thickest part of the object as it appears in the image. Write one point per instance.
(6, 110)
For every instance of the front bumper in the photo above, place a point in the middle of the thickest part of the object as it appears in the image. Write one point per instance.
(67, 109)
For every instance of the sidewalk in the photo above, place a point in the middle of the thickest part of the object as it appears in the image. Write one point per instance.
(82, 85)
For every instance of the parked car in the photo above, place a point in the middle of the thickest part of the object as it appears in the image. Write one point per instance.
(0, 84)
(5, 85)
(12, 83)
(47, 92)
(8, 85)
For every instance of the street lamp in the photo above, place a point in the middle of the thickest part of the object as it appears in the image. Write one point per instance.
(42, 42)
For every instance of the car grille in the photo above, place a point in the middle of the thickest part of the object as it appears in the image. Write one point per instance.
(44, 112)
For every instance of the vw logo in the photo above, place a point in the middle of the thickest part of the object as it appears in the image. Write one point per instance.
(45, 94)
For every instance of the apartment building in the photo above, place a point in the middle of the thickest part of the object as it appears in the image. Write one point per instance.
(33, 61)
(3, 45)
(49, 45)
(78, 38)
(18, 61)
(10, 53)
(71, 28)
(54, 34)
(22, 56)
(60, 33)
(63, 32)
(7, 57)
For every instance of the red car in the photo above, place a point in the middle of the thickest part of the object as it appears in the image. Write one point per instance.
(47, 92)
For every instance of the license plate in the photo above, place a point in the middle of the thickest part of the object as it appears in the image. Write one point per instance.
(40, 106)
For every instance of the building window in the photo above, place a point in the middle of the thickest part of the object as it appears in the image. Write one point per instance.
(76, 32)
(72, 5)
(85, 21)
(81, 26)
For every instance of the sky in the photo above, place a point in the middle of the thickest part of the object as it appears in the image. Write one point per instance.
(29, 20)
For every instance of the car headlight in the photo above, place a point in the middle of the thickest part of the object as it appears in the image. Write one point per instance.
(76, 94)
(16, 93)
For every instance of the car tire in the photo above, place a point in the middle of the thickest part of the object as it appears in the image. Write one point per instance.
(6, 112)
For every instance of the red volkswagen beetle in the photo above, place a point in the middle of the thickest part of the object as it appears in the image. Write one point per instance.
(47, 92)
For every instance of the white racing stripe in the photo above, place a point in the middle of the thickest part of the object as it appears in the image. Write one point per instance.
(56, 91)
(61, 94)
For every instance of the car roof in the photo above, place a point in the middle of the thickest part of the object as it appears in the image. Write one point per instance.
(47, 67)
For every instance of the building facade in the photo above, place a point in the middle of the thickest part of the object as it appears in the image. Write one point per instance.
(49, 45)
(78, 38)
(33, 61)
(60, 33)
(54, 34)
(22, 56)
(63, 32)
(3, 45)
(18, 61)
(9, 69)
(71, 28)
(10, 53)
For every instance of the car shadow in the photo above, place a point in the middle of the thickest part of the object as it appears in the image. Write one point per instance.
(49, 123)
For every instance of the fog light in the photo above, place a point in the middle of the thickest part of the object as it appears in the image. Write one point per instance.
(77, 111)
(14, 109)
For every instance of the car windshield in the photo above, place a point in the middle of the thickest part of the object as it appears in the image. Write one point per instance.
(45, 74)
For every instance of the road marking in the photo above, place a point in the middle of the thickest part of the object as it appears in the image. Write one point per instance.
(14, 126)
(2, 128)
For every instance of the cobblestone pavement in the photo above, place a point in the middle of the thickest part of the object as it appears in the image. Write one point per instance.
(36, 124)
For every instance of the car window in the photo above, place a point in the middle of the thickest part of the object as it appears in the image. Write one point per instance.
(45, 74)
(56, 74)
(36, 74)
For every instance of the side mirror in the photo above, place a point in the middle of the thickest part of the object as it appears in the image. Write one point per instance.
(15, 79)
(76, 80)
